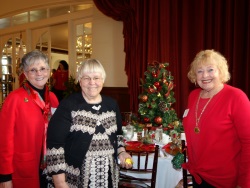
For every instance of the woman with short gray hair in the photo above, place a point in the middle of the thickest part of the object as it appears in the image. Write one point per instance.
(24, 120)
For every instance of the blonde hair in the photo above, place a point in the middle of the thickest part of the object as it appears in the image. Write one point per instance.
(205, 57)
(91, 65)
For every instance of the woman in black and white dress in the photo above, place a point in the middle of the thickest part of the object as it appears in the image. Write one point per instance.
(85, 136)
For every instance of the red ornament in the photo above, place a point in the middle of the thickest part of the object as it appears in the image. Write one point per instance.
(146, 119)
(151, 90)
(155, 73)
(157, 84)
(165, 128)
(158, 120)
(170, 126)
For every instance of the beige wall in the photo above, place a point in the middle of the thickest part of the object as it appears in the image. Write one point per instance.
(108, 45)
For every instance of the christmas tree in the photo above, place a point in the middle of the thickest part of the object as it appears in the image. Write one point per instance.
(157, 98)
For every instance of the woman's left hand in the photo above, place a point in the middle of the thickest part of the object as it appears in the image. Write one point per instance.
(123, 157)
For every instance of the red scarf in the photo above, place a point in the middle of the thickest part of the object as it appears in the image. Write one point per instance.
(45, 107)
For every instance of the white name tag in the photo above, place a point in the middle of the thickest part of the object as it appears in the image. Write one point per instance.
(186, 113)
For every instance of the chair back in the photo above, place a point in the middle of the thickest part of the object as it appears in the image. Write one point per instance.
(187, 178)
(144, 162)
(126, 117)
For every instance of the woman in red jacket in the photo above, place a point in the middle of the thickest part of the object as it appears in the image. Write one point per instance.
(24, 119)
(216, 123)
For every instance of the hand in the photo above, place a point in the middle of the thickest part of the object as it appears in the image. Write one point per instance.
(60, 181)
(61, 185)
(122, 157)
(7, 184)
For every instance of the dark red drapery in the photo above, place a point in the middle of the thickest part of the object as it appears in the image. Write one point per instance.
(174, 31)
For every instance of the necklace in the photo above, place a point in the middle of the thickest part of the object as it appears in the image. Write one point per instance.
(197, 119)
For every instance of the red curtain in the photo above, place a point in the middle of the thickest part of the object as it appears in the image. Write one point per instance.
(174, 31)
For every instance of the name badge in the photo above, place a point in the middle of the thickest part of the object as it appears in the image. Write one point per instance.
(185, 113)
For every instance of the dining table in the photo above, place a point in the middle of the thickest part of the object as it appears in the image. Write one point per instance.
(167, 176)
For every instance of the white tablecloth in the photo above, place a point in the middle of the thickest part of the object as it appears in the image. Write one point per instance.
(166, 177)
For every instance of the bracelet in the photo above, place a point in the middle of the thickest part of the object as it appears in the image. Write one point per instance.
(120, 152)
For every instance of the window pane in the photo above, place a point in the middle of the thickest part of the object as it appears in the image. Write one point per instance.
(83, 41)
(4, 23)
(59, 11)
(20, 18)
(82, 7)
(38, 15)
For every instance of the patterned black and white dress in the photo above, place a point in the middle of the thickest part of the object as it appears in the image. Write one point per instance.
(82, 143)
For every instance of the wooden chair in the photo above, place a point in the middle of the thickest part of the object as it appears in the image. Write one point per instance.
(187, 178)
(141, 167)
(126, 117)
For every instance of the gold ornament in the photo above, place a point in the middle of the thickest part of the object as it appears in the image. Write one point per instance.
(176, 123)
(144, 98)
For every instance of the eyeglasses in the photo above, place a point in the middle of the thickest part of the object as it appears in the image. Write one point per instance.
(35, 71)
(88, 79)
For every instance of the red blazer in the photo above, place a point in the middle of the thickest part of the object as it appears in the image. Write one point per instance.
(21, 137)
